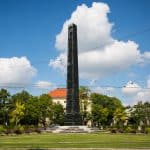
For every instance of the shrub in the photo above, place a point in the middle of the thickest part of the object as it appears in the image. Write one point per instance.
(37, 130)
(19, 130)
(133, 131)
(9, 131)
(147, 130)
(120, 130)
(113, 130)
(28, 130)
(128, 130)
(2, 129)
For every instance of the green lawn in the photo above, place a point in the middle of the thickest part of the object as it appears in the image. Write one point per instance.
(99, 140)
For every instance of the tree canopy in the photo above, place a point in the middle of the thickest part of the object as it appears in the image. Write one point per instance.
(103, 108)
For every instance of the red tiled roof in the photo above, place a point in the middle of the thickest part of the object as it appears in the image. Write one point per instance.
(58, 93)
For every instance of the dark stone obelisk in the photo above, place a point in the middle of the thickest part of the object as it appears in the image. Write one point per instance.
(72, 116)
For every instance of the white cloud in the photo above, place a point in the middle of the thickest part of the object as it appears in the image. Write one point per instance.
(44, 85)
(148, 83)
(111, 59)
(60, 62)
(104, 90)
(146, 57)
(94, 29)
(143, 95)
(131, 88)
(104, 55)
(15, 71)
(136, 93)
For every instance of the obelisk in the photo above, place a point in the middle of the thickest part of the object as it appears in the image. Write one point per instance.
(72, 116)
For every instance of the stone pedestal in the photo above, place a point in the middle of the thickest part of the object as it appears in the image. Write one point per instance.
(72, 119)
(72, 129)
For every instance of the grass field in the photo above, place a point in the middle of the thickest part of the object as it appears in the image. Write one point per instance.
(75, 141)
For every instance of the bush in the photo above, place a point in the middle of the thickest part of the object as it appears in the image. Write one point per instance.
(28, 130)
(130, 130)
(2, 129)
(19, 130)
(120, 130)
(147, 130)
(37, 130)
(113, 130)
(133, 131)
(9, 131)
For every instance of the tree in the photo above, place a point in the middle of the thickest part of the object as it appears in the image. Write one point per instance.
(103, 108)
(84, 97)
(140, 115)
(22, 96)
(58, 114)
(17, 109)
(4, 106)
(37, 109)
(18, 113)
(99, 115)
(31, 115)
(45, 108)
(120, 116)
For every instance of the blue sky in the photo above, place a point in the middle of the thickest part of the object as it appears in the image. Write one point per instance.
(28, 30)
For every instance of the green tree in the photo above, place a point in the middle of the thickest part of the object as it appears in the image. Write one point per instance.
(120, 116)
(84, 97)
(45, 108)
(18, 101)
(31, 114)
(17, 114)
(99, 115)
(106, 106)
(58, 114)
(22, 97)
(140, 115)
(4, 106)
(37, 109)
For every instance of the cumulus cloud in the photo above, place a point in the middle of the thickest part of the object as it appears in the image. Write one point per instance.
(104, 90)
(146, 57)
(131, 88)
(143, 96)
(104, 54)
(60, 62)
(136, 93)
(111, 59)
(148, 83)
(44, 85)
(15, 71)
(93, 27)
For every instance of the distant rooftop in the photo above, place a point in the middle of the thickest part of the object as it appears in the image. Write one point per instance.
(58, 93)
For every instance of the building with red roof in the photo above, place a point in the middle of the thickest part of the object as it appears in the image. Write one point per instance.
(59, 96)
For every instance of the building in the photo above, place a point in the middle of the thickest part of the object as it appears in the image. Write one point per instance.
(59, 96)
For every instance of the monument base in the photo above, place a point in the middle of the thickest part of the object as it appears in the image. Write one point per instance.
(71, 129)
(72, 119)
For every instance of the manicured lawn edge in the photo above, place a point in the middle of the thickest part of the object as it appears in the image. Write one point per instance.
(80, 141)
